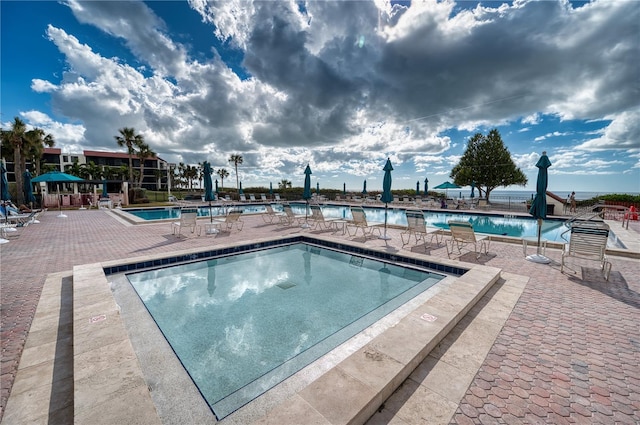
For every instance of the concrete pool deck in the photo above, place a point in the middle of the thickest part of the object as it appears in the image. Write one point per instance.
(586, 369)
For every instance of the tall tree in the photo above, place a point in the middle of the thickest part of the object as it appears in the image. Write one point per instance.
(223, 175)
(129, 139)
(24, 145)
(284, 183)
(144, 152)
(236, 159)
(487, 163)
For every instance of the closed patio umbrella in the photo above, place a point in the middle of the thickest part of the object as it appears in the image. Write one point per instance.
(208, 187)
(270, 188)
(28, 189)
(418, 188)
(240, 191)
(306, 194)
(386, 194)
(344, 188)
(426, 186)
(318, 188)
(539, 205)
(4, 183)
(364, 188)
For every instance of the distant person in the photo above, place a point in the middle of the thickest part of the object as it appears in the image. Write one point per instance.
(572, 199)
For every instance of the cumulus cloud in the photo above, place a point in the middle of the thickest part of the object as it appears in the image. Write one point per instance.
(343, 85)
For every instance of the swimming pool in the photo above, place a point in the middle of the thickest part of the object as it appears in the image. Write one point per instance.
(223, 315)
(504, 225)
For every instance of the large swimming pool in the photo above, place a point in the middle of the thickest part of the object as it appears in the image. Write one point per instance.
(505, 225)
(242, 323)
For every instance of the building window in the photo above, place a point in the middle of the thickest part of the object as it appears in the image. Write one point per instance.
(65, 158)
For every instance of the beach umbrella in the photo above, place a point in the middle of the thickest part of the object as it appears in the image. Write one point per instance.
(473, 189)
(418, 187)
(208, 187)
(344, 188)
(28, 189)
(318, 188)
(216, 185)
(386, 194)
(105, 193)
(270, 188)
(306, 194)
(57, 177)
(426, 186)
(240, 191)
(364, 188)
(446, 186)
(4, 183)
(539, 205)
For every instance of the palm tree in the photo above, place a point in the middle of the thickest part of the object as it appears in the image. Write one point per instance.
(24, 145)
(284, 183)
(144, 152)
(223, 174)
(236, 159)
(131, 140)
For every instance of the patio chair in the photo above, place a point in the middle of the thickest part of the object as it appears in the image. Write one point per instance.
(270, 216)
(588, 241)
(289, 218)
(231, 219)
(417, 226)
(319, 220)
(462, 234)
(360, 222)
(276, 196)
(263, 197)
(243, 198)
(188, 220)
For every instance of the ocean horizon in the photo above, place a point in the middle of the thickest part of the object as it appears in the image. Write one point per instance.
(498, 195)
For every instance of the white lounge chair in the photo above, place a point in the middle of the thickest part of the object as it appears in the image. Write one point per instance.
(243, 198)
(462, 234)
(276, 196)
(263, 197)
(588, 241)
(319, 219)
(360, 222)
(289, 218)
(271, 216)
(417, 226)
(231, 219)
(188, 220)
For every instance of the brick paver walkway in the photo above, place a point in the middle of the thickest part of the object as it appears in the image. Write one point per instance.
(569, 353)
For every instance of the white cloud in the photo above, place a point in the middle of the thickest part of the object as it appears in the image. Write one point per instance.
(343, 85)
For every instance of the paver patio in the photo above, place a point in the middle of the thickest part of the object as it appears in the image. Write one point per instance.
(568, 353)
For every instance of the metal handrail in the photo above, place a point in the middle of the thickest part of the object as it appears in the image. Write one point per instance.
(581, 217)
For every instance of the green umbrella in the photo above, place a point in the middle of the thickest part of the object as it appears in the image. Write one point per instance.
(386, 194)
(446, 186)
(539, 205)
(4, 182)
(240, 191)
(318, 188)
(57, 177)
(28, 189)
(208, 187)
(364, 188)
(426, 186)
(270, 188)
(306, 194)
(418, 187)
(344, 188)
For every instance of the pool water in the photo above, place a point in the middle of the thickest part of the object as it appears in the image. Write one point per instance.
(507, 225)
(241, 324)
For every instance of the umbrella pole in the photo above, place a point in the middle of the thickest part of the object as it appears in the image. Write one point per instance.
(60, 204)
(537, 257)
(385, 237)
(306, 212)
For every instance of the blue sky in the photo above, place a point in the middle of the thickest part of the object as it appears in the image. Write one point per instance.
(338, 85)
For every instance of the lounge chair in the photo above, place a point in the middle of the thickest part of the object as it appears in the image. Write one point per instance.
(243, 198)
(360, 222)
(231, 219)
(417, 226)
(271, 216)
(396, 199)
(188, 220)
(462, 234)
(588, 241)
(289, 218)
(319, 219)
(263, 197)
(276, 196)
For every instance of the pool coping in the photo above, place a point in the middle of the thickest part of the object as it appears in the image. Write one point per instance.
(103, 351)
